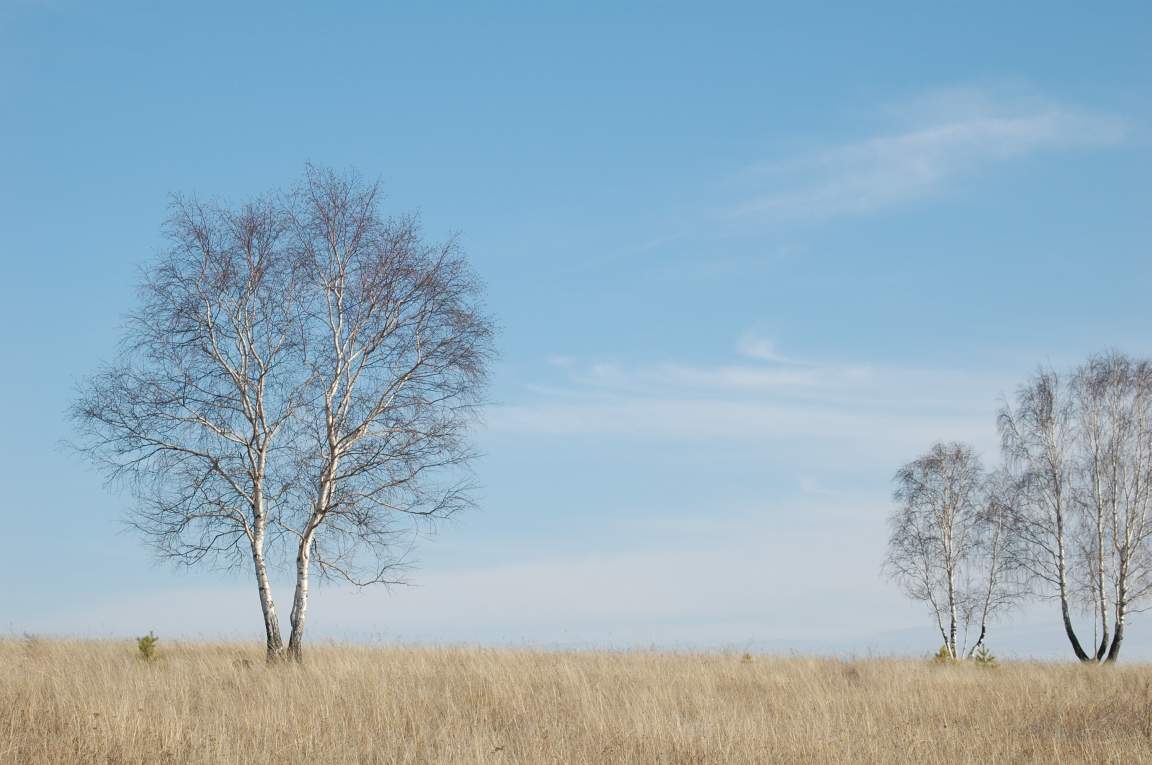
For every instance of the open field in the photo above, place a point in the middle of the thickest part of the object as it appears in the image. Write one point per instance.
(95, 702)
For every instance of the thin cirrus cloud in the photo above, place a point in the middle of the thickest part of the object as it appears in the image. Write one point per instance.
(756, 346)
(940, 139)
(833, 408)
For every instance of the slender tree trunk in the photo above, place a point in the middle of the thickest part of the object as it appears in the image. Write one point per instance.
(950, 564)
(1102, 648)
(952, 620)
(1118, 638)
(940, 623)
(300, 599)
(1069, 630)
(1121, 613)
(1101, 590)
(304, 556)
(979, 640)
(274, 641)
(1065, 611)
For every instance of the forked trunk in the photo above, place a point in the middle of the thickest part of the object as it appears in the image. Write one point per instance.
(1102, 649)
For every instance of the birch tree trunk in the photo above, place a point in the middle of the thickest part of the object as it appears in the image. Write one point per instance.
(1118, 637)
(1055, 457)
(300, 600)
(274, 643)
(1101, 589)
(1121, 613)
(952, 612)
(1065, 611)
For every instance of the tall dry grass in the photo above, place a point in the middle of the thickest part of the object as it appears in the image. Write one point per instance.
(96, 702)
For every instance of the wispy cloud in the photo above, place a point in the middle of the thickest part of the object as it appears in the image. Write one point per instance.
(940, 138)
(834, 412)
(825, 433)
(756, 346)
(673, 377)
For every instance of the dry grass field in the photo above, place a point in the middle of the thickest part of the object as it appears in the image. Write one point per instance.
(96, 702)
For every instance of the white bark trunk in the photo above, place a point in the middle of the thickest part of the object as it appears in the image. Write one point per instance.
(952, 614)
(1062, 572)
(273, 640)
(300, 599)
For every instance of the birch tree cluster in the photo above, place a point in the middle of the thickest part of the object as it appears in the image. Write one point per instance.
(1066, 518)
(950, 543)
(295, 390)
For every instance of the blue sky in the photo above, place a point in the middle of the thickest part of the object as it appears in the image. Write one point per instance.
(746, 261)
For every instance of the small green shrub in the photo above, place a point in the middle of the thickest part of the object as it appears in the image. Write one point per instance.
(983, 657)
(943, 656)
(746, 658)
(147, 646)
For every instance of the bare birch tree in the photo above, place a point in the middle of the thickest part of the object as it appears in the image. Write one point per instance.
(1094, 398)
(947, 543)
(191, 415)
(1038, 439)
(991, 574)
(1114, 402)
(397, 346)
(301, 377)
(1083, 451)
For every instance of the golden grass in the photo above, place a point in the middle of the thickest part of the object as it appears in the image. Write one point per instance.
(95, 702)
